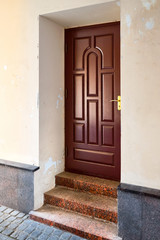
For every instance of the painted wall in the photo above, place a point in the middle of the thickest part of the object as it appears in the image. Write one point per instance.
(140, 85)
(19, 75)
(51, 106)
(19, 78)
(32, 110)
(18, 84)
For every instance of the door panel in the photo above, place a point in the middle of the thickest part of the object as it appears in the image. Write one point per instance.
(92, 79)
(78, 84)
(107, 94)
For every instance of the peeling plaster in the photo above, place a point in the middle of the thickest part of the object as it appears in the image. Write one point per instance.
(49, 164)
(150, 24)
(118, 3)
(60, 98)
(140, 32)
(57, 104)
(59, 162)
(148, 3)
(128, 20)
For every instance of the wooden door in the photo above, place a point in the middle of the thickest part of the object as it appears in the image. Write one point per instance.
(92, 79)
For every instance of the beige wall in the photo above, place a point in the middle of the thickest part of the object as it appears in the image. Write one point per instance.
(19, 76)
(19, 70)
(18, 83)
(51, 106)
(140, 85)
(31, 129)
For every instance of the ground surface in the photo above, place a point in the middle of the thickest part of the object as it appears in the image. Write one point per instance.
(17, 225)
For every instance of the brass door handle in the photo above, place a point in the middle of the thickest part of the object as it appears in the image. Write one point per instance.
(114, 100)
(118, 100)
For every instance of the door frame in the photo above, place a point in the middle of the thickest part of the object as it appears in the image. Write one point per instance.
(66, 93)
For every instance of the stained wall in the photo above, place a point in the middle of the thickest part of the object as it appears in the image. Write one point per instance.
(140, 90)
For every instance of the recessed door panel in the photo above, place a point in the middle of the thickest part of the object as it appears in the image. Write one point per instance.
(79, 132)
(105, 45)
(78, 83)
(92, 80)
(80, 47)
(108, 135)
(107, 95)
(92, 120)
(104, 158)
(92, 74)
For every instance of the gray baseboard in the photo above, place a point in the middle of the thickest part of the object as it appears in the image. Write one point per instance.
(138, 213)
(17, 185)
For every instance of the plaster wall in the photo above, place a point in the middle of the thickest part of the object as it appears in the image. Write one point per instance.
(140, 90)
(51, 106)
(19, 92)
(18, 83)
(31, 75)
(19, 74)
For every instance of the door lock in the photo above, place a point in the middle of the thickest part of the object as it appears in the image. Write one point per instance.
(118, 100)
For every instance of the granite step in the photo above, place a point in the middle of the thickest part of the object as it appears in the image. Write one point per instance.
(97, 206)
(78, 224)
(90, 184)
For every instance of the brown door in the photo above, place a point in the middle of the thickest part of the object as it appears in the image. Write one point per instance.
(92, 79)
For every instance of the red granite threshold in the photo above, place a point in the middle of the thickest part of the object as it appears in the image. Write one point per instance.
(97, 206)
(78, 224)
(85, 183)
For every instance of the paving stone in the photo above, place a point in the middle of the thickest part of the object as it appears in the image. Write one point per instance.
(52, 237)
(13, 225)
(75, 238)
(41, 227)
(25, 217)
(22, 226)
(35, 233)
(5, 216)
(7, 231)
(5, 223)
(29, 229)
(15, 234)
(20, 215)
(3, 237)
(34, 224)
(28, 222)
(18, 220)
(8, 210)
(22, 236)
(16, 225)
(65, 236)
(14, 213)
(2, 208)
(49, 230)
(11, 219)
(43, 236)
(58, 232)
(1, 229)
(1, 213)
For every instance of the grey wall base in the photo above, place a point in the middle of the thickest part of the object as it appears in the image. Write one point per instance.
(17, 185)
(138, 213)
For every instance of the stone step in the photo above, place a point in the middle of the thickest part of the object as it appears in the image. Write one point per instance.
(78, 224)
(97, 206)
(85, 183)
